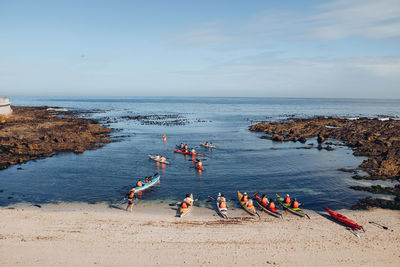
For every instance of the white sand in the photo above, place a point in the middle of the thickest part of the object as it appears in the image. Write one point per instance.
(82, 235)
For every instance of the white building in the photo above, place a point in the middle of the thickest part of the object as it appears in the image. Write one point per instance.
(5, 106)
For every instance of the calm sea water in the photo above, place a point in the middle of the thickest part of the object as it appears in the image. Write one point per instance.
(242, 161)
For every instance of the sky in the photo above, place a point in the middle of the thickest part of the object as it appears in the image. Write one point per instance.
(235, 48)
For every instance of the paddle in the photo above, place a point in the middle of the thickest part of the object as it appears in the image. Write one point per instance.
(211, 197)
(384, 227)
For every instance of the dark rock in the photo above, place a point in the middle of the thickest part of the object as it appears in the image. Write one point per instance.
(302, 139)
(277, 138)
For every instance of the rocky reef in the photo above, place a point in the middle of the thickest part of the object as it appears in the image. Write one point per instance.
(379, 140)
(35, 132)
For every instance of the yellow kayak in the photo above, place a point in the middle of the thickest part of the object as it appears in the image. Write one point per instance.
(184, 211)
(252, 210)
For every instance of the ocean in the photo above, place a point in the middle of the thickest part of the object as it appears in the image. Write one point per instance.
(243, 161)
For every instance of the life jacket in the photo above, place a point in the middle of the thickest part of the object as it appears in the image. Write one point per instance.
(193, 151)
(200, 164)
(147, 181)
(264, 201)
(249, 204)
(222, 205)
(184, 205)
(287, 200)
(182, 146)
(139, 184)
(271, 205)
(131, 194)
(244, 199)
(295, 204)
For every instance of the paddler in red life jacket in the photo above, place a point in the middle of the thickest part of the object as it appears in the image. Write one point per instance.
(182, 146)
(187, 202)
(264, 200)
(271, 205)
(139, 183)
(147, 180)
(157, 157)
(186, 148)
(245, 198)
(295, 204)
(222, 201)
(199, 164)
(130, 195)
(193, 152)
(287, 199)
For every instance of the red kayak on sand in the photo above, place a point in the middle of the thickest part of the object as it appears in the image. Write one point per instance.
(187, 153)
(343, 219)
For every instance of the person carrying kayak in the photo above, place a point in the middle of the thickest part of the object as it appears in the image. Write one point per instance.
(295, 204)
(221, 201)
(187, 202)
(157, 157)
(245, 198)
(287, 199)
(139, 183)
(130, 195)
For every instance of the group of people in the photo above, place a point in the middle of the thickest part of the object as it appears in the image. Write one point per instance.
(185, 148)
(131, 194)
(161, 159)
(293, 204)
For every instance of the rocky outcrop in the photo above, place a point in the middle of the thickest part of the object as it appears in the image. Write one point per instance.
(378, 140)
(36, 132)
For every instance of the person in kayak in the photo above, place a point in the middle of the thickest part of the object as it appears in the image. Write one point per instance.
(199, 164)
(193, 152)
(163, 159)
(157, 157)
(264, 200)
(147, 180)
(130, 195)
(139, 183)
(295, 204)
(182, 146)
(245, 198)
(206, 144)
(249, 203)
(186, 147)
(287, 199)
(187, 202)
(221, 201)
(271, 205)
(164, 137)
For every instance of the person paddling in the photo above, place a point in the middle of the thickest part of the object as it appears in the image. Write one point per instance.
(130, 195)
(264, 200)
(163, 159)
(139, 183)
(147, 180)
(193, 152)
(199, 164)
(157, 157)
(249, 203)
(187, 202)
(271, 205)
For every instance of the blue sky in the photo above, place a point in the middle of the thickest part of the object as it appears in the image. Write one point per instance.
(201, 48)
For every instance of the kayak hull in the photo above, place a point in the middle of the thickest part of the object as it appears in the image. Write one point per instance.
(295, 211)
(252, 211)
(343, 219)
(148, 185)
(184, 211)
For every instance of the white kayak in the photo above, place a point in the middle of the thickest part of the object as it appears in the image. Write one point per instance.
(158, 160)
(208, 146)
(222, 211)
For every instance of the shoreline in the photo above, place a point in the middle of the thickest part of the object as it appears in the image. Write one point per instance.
(92, 234)
(376, 139)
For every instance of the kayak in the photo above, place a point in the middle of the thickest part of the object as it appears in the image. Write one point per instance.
(252, 211)
(201, 168)
(296, 211)
(184, 211)
(155, 180)
(271, 211)
(222, 211)
(208, 146)
(158, 160)
(187, 153)
(343, 219)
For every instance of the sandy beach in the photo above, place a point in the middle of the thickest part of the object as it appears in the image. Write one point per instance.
(80, 234)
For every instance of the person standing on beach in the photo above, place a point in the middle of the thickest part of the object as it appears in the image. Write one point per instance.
(130, 195)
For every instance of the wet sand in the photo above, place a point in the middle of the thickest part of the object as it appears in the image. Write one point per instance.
(84, 235)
